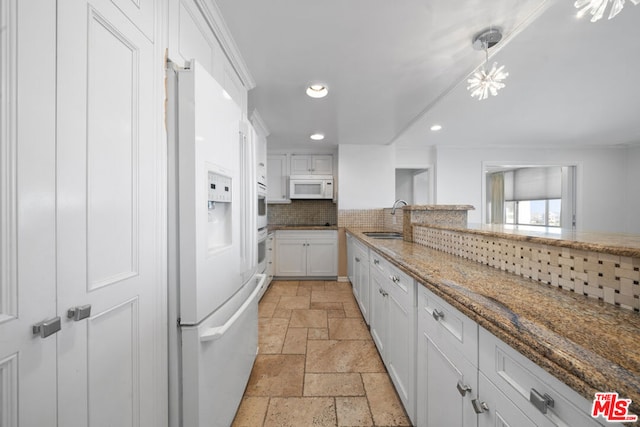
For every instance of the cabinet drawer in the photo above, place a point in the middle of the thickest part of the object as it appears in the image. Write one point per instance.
(378, 263)
(401, 287)
(446, 325)
(518, 377)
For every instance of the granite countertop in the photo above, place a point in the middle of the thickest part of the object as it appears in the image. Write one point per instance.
(587, 344)
(273, 227)
(613, 243)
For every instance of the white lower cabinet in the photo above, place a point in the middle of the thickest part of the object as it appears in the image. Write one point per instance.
(392, 321)
(312, 253)
(502, 412)
(469, 377)
(447, 370)
(446, 364)
(539, 395)
(270, 257)
(360, 278)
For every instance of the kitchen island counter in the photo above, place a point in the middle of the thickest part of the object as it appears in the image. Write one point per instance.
(590, 345)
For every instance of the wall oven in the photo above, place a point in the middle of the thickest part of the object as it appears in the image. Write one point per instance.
(262, 205)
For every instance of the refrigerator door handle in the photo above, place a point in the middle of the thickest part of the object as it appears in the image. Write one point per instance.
(213, 334)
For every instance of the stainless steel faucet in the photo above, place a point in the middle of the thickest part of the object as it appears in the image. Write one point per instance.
(395, 205)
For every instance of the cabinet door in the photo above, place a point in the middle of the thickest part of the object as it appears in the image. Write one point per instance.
(301, 165)
(439, 402)
(400, 352)
(322, 164)
(501, 411)
(292, 258)
(277, 178)
(378, 316)
(322, 257)
(351, 261)
(362, 280)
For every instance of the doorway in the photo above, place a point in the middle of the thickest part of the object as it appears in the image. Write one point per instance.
(414, 186)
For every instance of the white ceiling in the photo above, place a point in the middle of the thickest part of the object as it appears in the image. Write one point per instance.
(394, 68)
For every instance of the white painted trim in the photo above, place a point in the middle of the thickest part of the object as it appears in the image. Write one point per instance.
(259, 124)
(211, 13)
(343, 279)
(8, 169)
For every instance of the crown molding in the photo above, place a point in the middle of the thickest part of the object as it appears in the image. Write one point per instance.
(259, 124)
(212, 14)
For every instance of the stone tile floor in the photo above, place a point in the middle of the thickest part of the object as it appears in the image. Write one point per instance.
(317, 364)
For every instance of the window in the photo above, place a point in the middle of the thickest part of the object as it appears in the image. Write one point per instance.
(545, 212)
(531, 195)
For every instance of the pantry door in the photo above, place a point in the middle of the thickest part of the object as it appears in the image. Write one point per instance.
(111, 364)
(27, 212)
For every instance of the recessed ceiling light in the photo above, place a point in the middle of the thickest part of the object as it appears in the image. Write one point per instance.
(436, 128)
(317, 90)
(317, 137)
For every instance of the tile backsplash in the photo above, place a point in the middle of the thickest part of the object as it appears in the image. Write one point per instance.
(303, 212)
(611, 278)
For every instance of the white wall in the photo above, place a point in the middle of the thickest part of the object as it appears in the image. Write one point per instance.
(602, 180)
(415, 157)
(633, 190)
(366, 176)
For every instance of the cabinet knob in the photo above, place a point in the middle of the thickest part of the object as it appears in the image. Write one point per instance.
(437, 315)
(376, 262)
(463, 389)
(357, 259)
(383, 293)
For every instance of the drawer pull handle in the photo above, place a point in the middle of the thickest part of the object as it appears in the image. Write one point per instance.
(383, 293)
(463, 388)
(394, 279)
(541, 401)
(357, 259)
(376, 262)
(479, 407)
(438, 315)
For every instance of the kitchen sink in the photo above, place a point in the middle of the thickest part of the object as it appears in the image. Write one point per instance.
(383, 234)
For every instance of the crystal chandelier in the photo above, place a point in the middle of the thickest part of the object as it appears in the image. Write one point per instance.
(487, 82)
(596, 7)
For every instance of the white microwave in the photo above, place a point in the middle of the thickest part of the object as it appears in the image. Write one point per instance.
(311, 187)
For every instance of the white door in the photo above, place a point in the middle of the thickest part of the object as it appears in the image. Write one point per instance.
(112, 365)
(27, 212)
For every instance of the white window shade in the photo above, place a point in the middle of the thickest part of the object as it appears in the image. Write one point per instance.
(533, 183)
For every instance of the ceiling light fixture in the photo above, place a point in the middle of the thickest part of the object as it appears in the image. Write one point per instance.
(436, 128)
(596, 7)
(317, 137)
(484, 83)
(317, 90)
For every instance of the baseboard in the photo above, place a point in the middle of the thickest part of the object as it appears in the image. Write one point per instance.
(343, 279)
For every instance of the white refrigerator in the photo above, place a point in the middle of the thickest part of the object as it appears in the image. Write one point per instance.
(213, 288)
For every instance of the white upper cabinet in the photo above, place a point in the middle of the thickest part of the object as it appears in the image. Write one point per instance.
(277, 173)
(314, 164)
